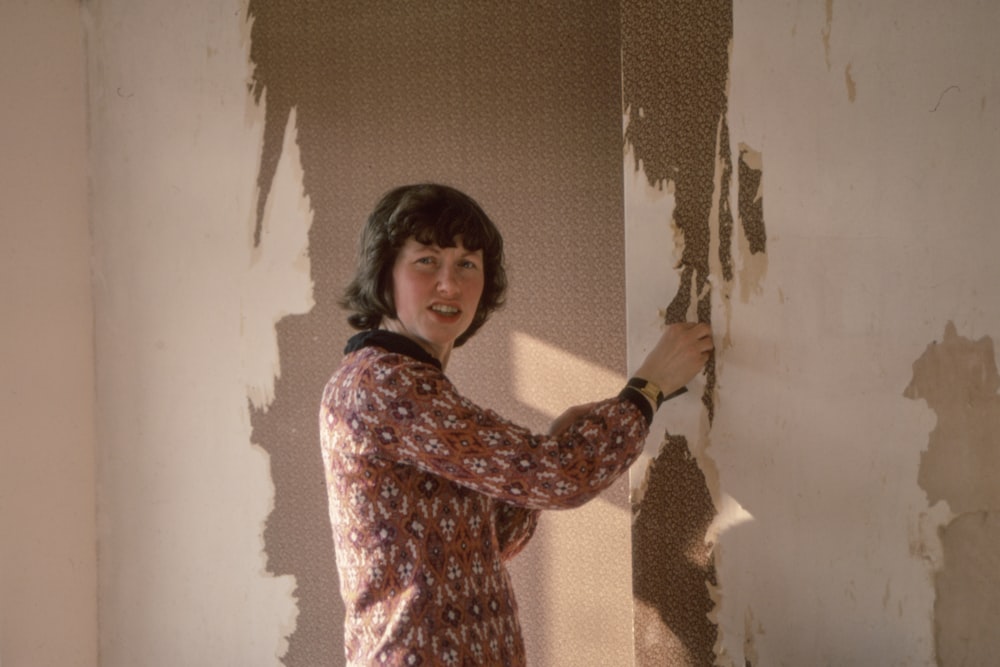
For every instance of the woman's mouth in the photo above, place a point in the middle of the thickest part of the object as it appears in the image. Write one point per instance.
(445, 310)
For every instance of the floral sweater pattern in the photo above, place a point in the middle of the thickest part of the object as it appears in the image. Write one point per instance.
(430, 495)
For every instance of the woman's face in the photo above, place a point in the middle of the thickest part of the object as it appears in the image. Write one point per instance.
(436, 291)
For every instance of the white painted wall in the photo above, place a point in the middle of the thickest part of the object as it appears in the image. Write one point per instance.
(48, 556)
(879, 126)
(185, 310)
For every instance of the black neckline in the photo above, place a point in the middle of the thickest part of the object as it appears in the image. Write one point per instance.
(392, 342)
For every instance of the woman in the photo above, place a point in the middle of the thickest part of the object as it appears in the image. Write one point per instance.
(429, 493)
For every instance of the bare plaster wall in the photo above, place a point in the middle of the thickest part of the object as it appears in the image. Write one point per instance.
(185, 311)
(876, 132)
(859, 141)
(48, 552)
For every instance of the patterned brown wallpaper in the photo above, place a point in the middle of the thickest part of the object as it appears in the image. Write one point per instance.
(519, 105)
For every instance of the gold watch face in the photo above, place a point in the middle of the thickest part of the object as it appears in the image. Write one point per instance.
(649, 392)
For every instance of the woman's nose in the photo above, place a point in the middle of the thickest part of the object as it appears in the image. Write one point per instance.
(447, 281)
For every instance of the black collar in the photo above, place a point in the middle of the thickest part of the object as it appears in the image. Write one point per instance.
(392, 342)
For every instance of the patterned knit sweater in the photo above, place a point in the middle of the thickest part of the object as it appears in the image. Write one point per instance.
(430, 495)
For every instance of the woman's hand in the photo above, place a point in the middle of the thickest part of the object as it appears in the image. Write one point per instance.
(564, 420)
(682, 351)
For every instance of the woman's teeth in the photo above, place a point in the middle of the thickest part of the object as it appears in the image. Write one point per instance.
(445, 310)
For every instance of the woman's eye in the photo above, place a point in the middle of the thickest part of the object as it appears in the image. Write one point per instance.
(425, 260)
(469, 265)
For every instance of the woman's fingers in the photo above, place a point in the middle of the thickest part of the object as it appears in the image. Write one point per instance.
(681, 352)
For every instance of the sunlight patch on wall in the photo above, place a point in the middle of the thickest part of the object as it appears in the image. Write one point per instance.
(551, 379)
(730, 514)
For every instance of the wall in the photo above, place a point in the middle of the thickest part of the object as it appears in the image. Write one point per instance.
(185, 311)
(852, 412)
(518, 106)
(814, 178)
(48, 568)
(235, 160)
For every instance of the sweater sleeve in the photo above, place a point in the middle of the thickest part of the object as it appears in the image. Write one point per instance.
(392, 407)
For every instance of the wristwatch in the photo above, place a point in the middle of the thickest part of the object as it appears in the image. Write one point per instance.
(651, 391)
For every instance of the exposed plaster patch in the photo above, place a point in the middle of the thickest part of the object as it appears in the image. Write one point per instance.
(925, 539)
(730, 515)
(967, 608)
(183, 493)
(278, 283)
(959, 380)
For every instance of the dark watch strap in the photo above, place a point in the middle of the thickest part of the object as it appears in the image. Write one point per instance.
(652, 391)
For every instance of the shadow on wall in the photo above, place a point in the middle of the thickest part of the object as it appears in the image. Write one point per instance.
(292, 54)
(386, 93)
(672, 565)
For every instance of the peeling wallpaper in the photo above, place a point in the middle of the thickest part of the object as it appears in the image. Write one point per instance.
(675, 72)
(795, 507)
(519, 106)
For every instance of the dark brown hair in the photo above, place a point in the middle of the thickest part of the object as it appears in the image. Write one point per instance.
(432, 214)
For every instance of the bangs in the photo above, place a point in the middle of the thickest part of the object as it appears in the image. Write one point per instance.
(440, 223)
